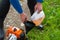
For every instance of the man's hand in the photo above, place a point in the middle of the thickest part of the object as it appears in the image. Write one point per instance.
(23, 17)
(38, 7)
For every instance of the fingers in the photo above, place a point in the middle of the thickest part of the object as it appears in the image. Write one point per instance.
(23, 17)
(35, 8)
(38, 7)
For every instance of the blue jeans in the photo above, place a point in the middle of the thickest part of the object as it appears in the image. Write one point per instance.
(4, 8)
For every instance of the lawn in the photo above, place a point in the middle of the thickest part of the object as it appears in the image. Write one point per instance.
(51, 22)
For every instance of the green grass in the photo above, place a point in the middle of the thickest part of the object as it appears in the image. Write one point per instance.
(51, 22)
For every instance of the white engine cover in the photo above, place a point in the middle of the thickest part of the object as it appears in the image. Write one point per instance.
(37, 15)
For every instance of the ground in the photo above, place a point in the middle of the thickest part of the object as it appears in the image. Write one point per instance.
(51, 22)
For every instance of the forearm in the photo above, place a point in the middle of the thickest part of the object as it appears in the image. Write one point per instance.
(16, 5)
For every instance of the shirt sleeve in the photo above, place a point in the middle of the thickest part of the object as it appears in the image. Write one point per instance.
(16, 5)
(39, 1)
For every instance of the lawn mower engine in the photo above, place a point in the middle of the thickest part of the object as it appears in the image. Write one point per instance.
(14, 33)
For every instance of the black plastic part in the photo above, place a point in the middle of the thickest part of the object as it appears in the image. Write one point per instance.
(15, 29)
(40, 28)
(29, 25)
(22, 37)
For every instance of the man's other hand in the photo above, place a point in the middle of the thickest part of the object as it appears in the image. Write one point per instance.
(38, 7)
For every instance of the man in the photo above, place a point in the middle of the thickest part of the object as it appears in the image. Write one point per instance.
(4, 8)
